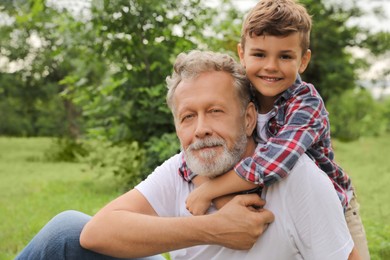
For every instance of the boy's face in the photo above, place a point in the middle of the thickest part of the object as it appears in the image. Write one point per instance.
(272, 63)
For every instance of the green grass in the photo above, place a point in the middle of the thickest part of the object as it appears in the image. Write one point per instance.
(367, 161)
(32, 190)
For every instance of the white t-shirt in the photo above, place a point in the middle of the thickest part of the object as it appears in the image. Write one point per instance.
(262, 120)
(309, 220)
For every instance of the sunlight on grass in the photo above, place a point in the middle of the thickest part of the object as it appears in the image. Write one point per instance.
(32, 191)
(367, 161)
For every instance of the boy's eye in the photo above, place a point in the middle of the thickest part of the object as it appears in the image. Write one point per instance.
(260, 55)
(286, 57)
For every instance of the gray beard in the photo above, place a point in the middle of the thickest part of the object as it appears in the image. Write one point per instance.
(212, 163)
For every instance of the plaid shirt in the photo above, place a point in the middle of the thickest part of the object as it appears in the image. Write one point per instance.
(298, 124)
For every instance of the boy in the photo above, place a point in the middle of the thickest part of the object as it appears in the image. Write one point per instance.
(274, 50)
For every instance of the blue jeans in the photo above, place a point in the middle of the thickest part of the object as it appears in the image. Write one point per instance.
(59, 239)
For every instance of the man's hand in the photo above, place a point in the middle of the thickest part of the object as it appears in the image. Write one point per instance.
(241, 221)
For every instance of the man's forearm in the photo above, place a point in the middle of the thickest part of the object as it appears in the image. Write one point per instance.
(128, 234)
(125, 233)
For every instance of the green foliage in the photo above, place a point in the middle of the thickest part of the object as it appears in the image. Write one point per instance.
(354, 114)
(137, 41)
(34, 50)
(102, 75)
(125, 161)
(331, 69)
(386, 113)
(159, 149)
(66, 150)
(378, 43)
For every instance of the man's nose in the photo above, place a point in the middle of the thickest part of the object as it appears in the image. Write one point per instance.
(203, 127)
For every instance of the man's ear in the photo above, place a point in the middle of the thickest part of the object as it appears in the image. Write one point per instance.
(250, 119)
(305, 61)
(240, 52)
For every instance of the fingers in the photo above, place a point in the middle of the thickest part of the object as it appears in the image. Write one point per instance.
(254, 203)
(267, 216)
(251, 200)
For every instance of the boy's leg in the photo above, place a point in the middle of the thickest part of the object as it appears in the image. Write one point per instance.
(59, 239)
(356, 228)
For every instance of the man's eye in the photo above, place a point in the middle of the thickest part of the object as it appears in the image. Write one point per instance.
(187, 117)
(216, 111)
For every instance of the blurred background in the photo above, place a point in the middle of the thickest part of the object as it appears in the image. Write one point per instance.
(82, 99)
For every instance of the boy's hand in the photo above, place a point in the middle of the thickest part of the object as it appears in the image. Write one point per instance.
(197, 203)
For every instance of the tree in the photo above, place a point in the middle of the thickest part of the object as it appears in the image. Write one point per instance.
(331, 69)
(103, 74)
(35, 44)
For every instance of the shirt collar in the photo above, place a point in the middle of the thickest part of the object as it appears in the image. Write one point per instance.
(289, 92)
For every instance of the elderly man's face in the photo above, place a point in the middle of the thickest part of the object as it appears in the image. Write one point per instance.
(210, 123)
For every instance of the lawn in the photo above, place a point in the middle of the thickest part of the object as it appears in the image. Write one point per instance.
(33, 190)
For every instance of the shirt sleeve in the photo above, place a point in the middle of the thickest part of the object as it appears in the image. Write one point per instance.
(160, 188)
(305, 121)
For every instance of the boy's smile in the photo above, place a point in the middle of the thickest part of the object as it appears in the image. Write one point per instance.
(272, 64)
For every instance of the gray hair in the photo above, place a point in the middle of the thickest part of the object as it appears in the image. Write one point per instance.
(191, 65)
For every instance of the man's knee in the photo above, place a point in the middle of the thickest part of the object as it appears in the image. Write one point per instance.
(66, 225)
(57, 238)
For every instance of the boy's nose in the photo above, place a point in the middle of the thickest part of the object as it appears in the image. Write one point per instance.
(271, 65)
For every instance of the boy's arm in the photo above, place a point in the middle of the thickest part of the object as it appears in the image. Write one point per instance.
(306, 121)
(200, 199)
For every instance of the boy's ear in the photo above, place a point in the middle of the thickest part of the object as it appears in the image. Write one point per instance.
(250, 119)
(305, 61)
(240, 53)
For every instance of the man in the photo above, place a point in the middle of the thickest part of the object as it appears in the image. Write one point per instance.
(214, 120)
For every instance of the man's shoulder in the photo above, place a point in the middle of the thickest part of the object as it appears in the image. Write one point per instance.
(165, 174)
(307, 172)
(172, 163)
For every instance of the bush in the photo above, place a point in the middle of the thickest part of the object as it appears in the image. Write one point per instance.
(130, 162)
(159, 149)
(386, 113)
(12, 123)
(354, 114)
(66, 150)
(125, 161)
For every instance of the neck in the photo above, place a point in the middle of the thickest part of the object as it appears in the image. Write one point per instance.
(250, 147)
(265, 103)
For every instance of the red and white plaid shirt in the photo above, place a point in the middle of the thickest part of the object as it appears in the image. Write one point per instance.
(298, 124)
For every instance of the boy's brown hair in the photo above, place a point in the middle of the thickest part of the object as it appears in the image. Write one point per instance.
(277, 18)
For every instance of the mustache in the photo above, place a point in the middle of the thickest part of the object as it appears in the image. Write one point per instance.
(204, 143)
